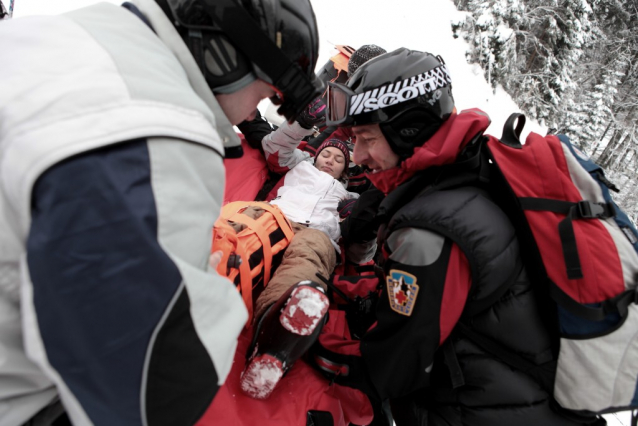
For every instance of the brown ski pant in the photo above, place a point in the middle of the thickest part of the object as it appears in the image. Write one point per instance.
(310, 252)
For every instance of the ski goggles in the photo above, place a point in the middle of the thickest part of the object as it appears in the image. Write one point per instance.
(378, 104)
(347, 108)
(338, 100)
(295, 88)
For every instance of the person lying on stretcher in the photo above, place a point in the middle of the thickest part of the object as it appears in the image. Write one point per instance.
(291, 309)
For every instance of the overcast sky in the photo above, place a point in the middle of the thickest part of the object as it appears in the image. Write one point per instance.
(416, 24)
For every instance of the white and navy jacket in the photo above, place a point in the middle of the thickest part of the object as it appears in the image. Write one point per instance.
(308, 195)
(111, 149)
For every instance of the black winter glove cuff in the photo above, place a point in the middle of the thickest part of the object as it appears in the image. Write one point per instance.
(313, 115)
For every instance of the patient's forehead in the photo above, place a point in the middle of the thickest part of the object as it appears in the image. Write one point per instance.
(335, 151)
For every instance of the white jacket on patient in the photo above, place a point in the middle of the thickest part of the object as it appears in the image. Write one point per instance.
(308, 195)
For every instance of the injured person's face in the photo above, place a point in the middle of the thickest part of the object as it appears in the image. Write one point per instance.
(331, 161)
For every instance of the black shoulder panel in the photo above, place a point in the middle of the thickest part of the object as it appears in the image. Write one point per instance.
(469, 218)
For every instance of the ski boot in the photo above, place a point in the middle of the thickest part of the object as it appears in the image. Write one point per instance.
(284, 333)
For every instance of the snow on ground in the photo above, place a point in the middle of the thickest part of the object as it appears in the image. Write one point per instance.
(619, 419)
(415, 24)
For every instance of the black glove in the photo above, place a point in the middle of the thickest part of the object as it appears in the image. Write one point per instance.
(360, 225)
(345, 207)
(313, 115)
(255, 130)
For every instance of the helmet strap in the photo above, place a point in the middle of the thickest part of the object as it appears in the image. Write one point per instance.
(287, 76)
(225, 68)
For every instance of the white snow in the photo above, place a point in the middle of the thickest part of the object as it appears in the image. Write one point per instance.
(312, 303)
(618, 419)
(302, 331)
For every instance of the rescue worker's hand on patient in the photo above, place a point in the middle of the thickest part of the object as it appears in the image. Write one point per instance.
(214, 259)
(313, 115)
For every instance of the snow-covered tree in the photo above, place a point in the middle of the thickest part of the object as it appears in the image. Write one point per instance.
(530, 48)
(571, 64)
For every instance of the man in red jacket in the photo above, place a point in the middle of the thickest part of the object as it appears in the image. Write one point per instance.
(450, 256)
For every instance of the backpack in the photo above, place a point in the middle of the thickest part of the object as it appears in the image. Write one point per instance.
(583, 248)
(252, 236)
(336, 68)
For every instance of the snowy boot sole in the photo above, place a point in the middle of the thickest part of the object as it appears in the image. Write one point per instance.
(284, 333)
(303, 311)
(261, 376)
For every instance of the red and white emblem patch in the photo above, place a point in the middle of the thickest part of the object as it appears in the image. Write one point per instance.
(402, 291)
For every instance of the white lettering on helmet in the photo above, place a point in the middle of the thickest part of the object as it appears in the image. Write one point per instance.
(401, 91)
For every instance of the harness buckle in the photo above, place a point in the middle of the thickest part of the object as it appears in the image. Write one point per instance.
(591, 210)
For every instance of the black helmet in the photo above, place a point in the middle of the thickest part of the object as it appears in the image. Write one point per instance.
(237, 41)
(408, 93)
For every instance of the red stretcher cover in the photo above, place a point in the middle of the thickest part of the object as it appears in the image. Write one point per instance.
(301, 390)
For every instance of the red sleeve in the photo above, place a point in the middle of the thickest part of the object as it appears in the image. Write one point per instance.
(455, 291)
(245, 176)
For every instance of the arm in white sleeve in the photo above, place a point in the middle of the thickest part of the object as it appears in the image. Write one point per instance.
(280, 147)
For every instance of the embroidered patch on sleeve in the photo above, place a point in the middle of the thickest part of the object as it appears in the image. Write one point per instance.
(402, 291)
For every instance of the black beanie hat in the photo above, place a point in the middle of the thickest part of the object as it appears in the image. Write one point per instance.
(363, 55)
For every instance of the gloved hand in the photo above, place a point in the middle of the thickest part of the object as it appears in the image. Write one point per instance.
(313, 115)
(345, 207)
(360, 225)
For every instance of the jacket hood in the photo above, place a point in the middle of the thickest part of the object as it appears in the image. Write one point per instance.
(442, 148)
